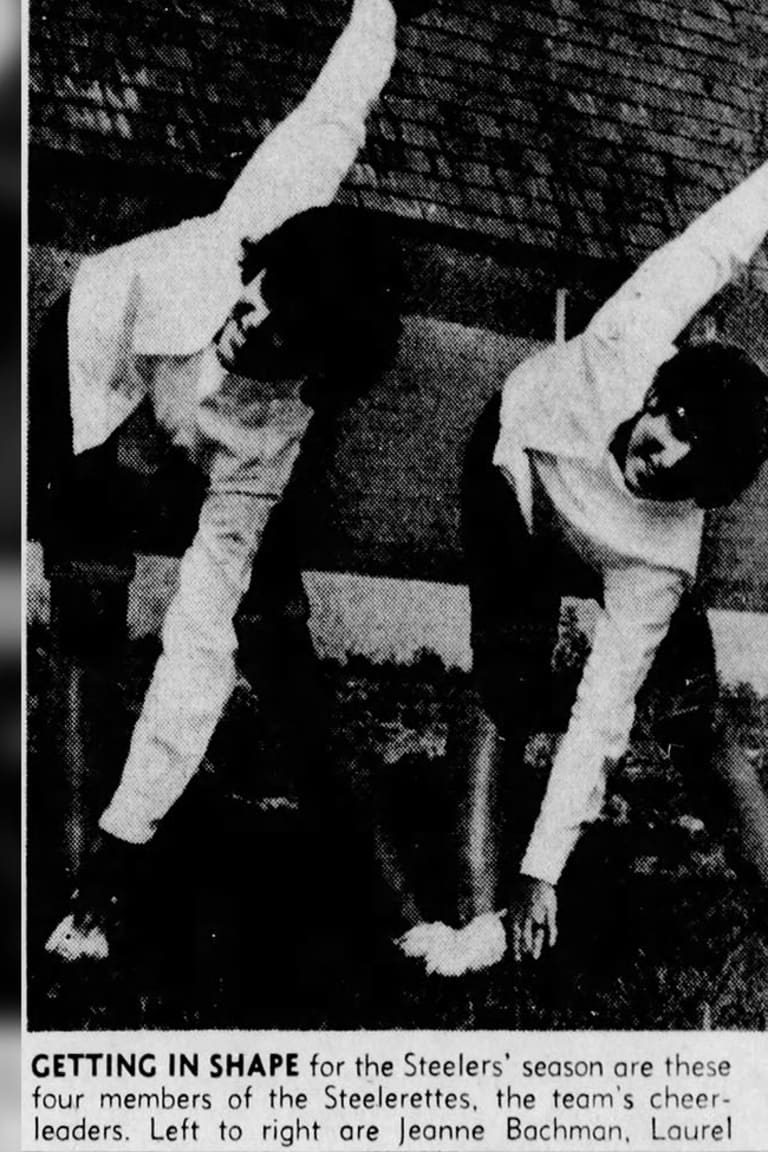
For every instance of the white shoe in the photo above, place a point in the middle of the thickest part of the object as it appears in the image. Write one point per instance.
(70, 943)
(419, 941)
(478, 945)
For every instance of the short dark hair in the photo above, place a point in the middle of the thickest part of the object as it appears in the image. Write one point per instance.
(333, 276)
(724, 396)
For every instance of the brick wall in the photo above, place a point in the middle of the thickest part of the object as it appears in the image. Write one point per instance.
(588, 127)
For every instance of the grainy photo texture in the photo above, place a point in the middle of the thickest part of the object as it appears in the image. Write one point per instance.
(398, 525)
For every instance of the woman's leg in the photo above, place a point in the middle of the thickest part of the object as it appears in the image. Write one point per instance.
(352, 879)
(710, 744)
(79, 508)
(514, 605)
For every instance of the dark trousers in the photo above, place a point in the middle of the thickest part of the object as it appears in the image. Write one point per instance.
(516, 582)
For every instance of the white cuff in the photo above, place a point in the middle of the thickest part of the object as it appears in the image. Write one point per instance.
(127, 822)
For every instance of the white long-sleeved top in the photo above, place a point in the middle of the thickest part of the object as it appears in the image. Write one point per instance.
(248, 440)
(560, 411)
(142, 321)
(168, 293)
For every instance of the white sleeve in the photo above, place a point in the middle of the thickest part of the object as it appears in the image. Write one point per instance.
(303, 161)
(104, 386)
(633, 333)
(639, 604)
(195, 673)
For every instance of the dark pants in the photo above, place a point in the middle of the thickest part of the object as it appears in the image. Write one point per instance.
(516, 582)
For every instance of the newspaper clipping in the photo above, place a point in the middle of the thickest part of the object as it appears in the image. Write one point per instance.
(396, 575)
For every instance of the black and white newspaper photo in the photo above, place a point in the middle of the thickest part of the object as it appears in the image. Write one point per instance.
(396, 575)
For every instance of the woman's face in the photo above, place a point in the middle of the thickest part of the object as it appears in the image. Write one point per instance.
(658, 456)
(255, 342)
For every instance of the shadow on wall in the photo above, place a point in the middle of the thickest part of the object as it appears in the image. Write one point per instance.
(384, 501)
